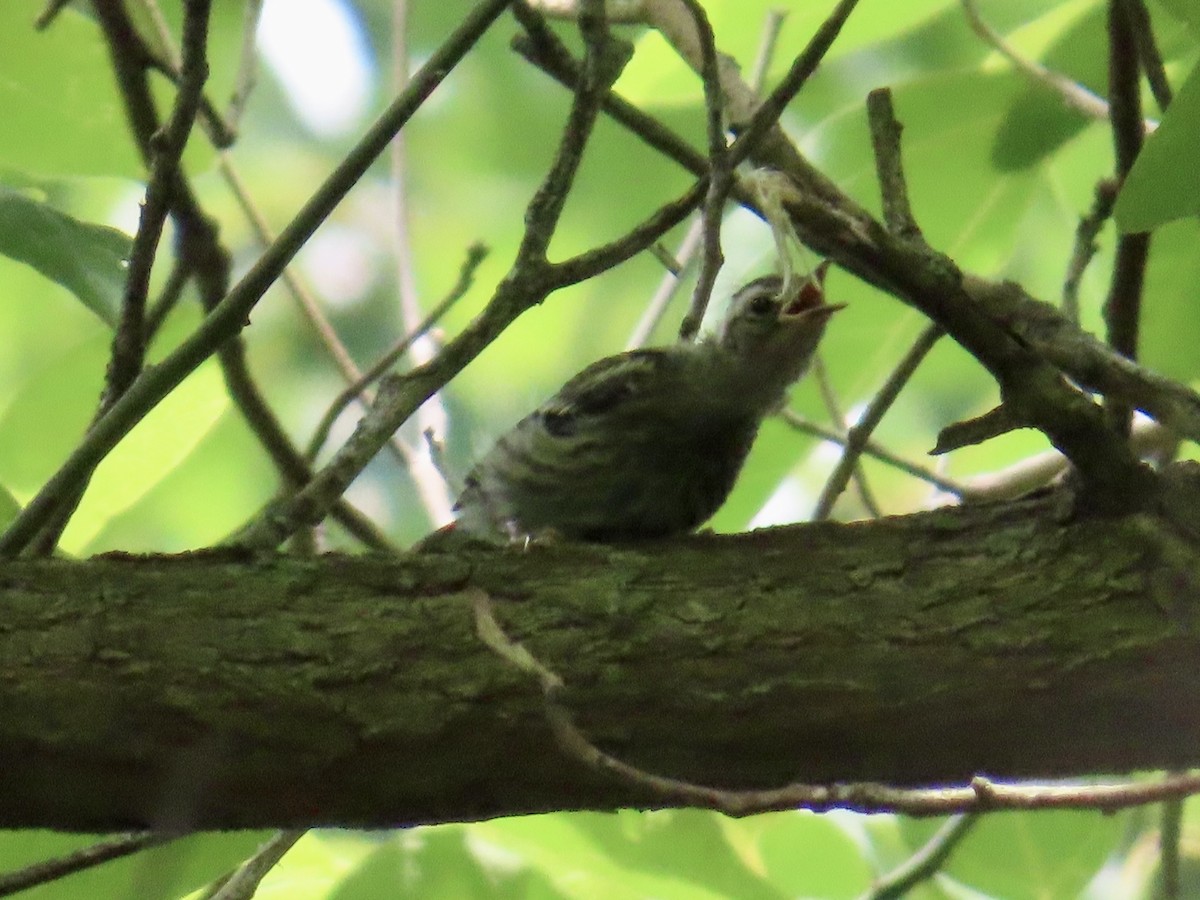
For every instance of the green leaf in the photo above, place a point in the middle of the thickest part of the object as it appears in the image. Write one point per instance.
(200, 500)
(1038, 123)
(1187, 11)
(669, 853)
(1170, 327)
(439, 861)
(87, 259)
(58, 99)
(802, 853)
(1165, 181)
(1034, 855)
(153, 450)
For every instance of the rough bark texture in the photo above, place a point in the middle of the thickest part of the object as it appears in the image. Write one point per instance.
(210, 692)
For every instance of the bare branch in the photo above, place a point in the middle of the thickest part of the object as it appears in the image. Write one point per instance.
(165, 149)
(1085, 248)
(720, 174)
(243, 883)
(927, 861)
(1123, 307)
(861, 431)
(1073, 95)
(885, 140)
(81, 860)
(1151, 59)
(1170, 837)
(247, 71)
(833, 408)
(475, 255)
(876, 451)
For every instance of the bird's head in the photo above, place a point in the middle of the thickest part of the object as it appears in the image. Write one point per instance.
(775, 327)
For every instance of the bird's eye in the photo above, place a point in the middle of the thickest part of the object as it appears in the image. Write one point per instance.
(762, 304)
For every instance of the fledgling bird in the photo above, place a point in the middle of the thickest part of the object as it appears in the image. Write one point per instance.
(649, 443)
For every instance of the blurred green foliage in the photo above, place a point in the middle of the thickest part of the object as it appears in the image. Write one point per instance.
(999, 174)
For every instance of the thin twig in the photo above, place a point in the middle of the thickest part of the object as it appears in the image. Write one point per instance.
(1151, 59)
(1085, 245)
(926, 862)
(768, 39)
(600, 259)
(1149, 440)
(1073, 94)
(833, 408)
(50, 13)
(899, 220)
(659, 251)
(1125, 99)
(898, 217)
(876, 451)
(432, 488)
(603, 61)
(247, 70)
(1123, 307)
(219, 132)
(168, 297)
(862, 430)
(668, 286)
(295, 286)
(230, 315)
(166, 149)
(80, 860)
(243, 883)
(720, 177)
(165, 44)
(766, 116)
(543, 48)
(976, 430)
(357, 390)
(889, 169)
(686, 253)
(1170, 835)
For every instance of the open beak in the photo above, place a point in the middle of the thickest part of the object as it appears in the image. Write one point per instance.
(809, 301)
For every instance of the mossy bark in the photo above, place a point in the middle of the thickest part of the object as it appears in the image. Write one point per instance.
(208, 691)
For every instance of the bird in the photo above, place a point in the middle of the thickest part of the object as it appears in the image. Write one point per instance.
(648, 443)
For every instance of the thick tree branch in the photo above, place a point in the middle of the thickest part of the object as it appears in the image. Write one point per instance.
(212, 691)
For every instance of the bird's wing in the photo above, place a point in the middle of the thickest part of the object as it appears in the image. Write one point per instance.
(601, 388)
